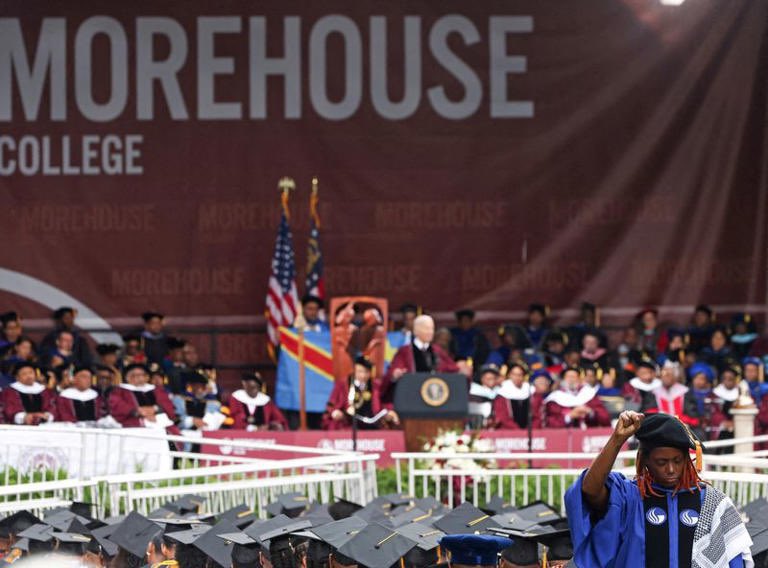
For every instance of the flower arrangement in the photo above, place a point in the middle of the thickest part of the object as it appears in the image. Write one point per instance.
(456, 442)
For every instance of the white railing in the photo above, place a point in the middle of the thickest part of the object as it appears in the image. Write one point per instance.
(100, 459)
(742, 477)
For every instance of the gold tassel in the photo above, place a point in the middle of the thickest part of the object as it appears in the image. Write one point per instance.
(699, 457)
(544, 562)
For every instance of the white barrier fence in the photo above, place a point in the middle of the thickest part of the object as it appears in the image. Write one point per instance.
(100, 459)
(743, 477)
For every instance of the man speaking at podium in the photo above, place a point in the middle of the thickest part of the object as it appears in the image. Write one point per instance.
(419, 356)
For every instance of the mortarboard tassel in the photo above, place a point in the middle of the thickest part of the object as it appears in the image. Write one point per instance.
(699, 457)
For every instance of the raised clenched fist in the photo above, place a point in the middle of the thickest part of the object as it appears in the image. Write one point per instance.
(628, 423)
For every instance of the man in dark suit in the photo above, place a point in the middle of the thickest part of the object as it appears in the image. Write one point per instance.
(419, 356)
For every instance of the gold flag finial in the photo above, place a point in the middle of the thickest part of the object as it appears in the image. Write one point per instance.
(286, 185)
(314, 198)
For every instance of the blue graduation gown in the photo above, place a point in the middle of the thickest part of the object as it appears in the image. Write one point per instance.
(616, 540)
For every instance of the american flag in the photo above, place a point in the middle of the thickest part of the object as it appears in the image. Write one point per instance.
(282, 298)
(314, 285)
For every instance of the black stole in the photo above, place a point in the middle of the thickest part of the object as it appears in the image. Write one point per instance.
(424, 361)
(145, 398)
(666, 523)
(255, 419)
(32, 402)
(520, 411)
(85, 410)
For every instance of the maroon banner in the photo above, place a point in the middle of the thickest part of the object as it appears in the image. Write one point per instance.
(386, 442)
(509, 151)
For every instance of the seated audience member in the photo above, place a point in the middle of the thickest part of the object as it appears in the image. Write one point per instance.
(701, 328)
(108, 354)
(536, 327)
(592, 353)
(588, 322)
(420, 356)
(542, 382)
(153, 337)
(638, 391)
(481, 397)
(132, 353)
(22, 351)
(251, 409)
(701, 411)
(651, 339)
(80, 402)
(743, 335)
(61, 353)
(137, 403)
(517, 401)
(10, 331)
(512, 346)
(106, 379)
(26, 401)
(717, 353)
(574, 404)
(359, 395)
(443, 338)
(64, 320)
(754, 374)
(197, 409)
(555, 343)
(676, 348)
(726, 394)
(670, 395)
(174, 365)
(311, 309)
(467, 340)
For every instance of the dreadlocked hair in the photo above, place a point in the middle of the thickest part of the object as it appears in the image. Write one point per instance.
(689, 480)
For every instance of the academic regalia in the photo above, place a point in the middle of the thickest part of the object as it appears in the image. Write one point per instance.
(470, 344)
(481, 399)
(249, 413)
(19, 399)
(343, 396)
(719, 359)
(125, 400)
(559, 404)
(155, 346)
(703, 413)
(513, 404)
(639, 395)
(74, 405)
(669, 526)
(81, 353)
(414, 360)
(670, 401)
(648, 534)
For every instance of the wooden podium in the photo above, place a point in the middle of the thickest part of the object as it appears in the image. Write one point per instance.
(429, 402)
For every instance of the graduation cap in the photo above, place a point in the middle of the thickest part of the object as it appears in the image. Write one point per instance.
(475, 549)
(175, 343)
(526, 551)
(663, 430)
(758, 532)
(147, 316)
(543, 309)
(511, 520)
(757, 510)
(192, 376)
(465, 519)
(17, 522)
(100, 542)
(339, 532)
(39, 533)
(464, 313)
(190, 535)
(311, 299)
(289, 504)
(240, 516)
(496, 505)
(426, 537)
(279, 526)
(317, 516)
(245, 550)
(186, 504)
(71, 542)
(217, 549)
(84, 510)
(342, 509)
(134, 534)
(24, 365)
(377, 546)
(427, 503)
(253, 376)
(8, 317)
(59, 313)
(539, 512)
(407, 515)
(107, 348)
(397, 499)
